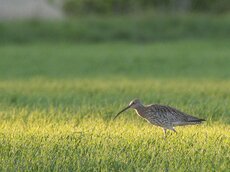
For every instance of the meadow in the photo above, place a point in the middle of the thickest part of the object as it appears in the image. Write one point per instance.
(57, 102)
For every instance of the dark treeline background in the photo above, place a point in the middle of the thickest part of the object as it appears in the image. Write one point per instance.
(78, 7)
(124, 20)
(117, 28)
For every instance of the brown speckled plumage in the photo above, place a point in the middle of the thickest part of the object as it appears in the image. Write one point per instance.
(163, 116)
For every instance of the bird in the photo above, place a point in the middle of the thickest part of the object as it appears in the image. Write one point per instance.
(162, 116)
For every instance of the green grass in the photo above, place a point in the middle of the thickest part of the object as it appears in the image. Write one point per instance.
(57, 102)
(203, 59)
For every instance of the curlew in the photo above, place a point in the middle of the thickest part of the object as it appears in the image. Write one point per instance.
(165, 117)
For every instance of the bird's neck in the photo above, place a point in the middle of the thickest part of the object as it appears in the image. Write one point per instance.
(140, 110)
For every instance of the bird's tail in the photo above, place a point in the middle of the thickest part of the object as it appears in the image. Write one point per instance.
(189, 122)
(197, 120)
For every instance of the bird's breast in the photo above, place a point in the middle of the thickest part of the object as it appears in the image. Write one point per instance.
(140, 113)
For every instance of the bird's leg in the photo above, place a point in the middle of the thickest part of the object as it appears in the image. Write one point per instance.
(174, 130)
(165, 130)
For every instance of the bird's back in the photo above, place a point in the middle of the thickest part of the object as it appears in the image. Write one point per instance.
(166, 115)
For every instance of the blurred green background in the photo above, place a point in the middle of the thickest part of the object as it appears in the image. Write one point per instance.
(61, 40)
(77, 7)
(112, 20)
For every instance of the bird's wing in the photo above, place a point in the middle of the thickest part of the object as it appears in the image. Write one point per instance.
(173, 115)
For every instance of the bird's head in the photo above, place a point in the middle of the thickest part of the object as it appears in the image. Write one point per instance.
(133, 104)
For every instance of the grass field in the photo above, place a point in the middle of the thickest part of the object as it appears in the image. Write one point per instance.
(57, 102)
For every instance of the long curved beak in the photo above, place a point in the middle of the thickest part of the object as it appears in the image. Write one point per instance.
(121, 112)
